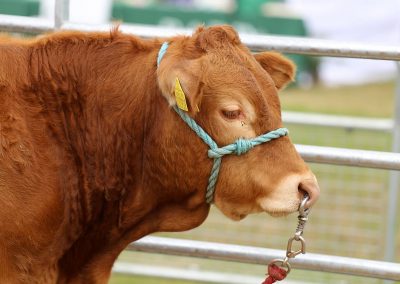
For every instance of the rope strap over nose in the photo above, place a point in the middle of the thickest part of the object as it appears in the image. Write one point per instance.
(242, 146)
(239, 147)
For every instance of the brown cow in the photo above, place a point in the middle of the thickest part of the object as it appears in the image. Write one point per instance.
(92, 157)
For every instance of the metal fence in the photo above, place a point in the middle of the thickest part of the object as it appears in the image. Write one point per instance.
(315, 154)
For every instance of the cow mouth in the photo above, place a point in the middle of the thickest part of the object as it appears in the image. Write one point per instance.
(279, 209)
(278, 214)
(276, 211)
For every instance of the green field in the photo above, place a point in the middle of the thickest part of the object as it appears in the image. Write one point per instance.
(122, 279)
(349, 219)
(374, 100)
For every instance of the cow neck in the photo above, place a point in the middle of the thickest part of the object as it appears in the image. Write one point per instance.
(239, 147)
(88, 110)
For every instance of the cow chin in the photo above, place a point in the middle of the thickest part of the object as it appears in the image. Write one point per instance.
(237, 212)
(235, 216)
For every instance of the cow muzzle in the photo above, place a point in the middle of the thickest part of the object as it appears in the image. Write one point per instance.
(285, 198)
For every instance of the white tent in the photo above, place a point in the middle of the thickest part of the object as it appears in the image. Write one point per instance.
(81, 11)
(368, 21)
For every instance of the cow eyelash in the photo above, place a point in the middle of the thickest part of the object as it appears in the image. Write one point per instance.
(232, 114)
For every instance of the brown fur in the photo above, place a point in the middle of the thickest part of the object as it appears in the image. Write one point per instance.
(93, 158)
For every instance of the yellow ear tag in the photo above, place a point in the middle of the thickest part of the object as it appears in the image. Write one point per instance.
(180, 96)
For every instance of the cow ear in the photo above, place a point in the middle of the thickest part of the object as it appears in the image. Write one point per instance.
(189, 81)
(215, 37)
(281, 69)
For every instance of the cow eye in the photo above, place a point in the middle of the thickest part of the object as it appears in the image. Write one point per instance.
(232, 114)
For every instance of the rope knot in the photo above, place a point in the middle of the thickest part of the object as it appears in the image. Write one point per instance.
(243, 146)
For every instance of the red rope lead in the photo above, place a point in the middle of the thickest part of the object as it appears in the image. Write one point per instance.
(275, 273)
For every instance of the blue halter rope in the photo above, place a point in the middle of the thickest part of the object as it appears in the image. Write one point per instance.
(239, 147)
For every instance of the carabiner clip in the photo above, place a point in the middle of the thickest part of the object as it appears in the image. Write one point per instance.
(303, 212)
(292, 254)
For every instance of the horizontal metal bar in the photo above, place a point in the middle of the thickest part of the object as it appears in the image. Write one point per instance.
(21, 24)
(297, 45)
(350, 157)
(321, 47)
(255, 255)
(338, 121)
(187, 274)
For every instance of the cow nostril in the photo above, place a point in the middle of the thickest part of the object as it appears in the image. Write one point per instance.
(310, 187)
(303, 193)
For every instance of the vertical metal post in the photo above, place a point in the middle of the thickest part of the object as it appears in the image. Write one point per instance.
(61, 13)
(394, 181)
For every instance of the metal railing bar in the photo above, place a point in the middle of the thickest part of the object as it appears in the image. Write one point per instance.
(338, 121)
(350, 157)
(394, 181)
(22, 24)
(61, 13)
(296, 45)
(187, 274)
(321, 47)
(255, 255)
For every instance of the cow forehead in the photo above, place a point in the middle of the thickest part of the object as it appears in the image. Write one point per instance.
(240, 81)
(236, 65)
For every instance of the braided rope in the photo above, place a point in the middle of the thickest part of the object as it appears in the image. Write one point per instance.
(196, 128)
(239, 147)
(161, 52)
(242, 146)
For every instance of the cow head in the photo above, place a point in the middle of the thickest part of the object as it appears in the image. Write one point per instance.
(233, 94)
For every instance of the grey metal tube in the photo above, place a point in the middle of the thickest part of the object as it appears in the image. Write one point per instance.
(256, 42)
(394, 182)
(320, 47)
(202, 276)
(284, 44)
(255, 255)
(61, 12)
(25, 24)
(338, 121)
(350, 157)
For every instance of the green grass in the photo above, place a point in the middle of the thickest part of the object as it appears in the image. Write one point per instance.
(126, 279)
(336, 137)
(374, 100)
(345, 205)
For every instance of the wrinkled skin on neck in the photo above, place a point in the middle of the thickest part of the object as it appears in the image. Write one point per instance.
(91, 147)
